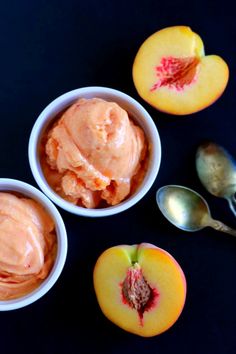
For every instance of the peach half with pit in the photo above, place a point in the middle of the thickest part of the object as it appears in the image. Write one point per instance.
(172, 73)
(140, 288)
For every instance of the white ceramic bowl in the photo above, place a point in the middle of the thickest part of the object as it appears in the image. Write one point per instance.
(138, 113)
(31, 192)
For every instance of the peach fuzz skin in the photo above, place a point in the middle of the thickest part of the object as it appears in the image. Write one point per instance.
(149, 301)
(178, 88)
(27, 245)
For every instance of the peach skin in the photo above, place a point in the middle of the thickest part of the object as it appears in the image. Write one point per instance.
(140, 288)
(172, 73)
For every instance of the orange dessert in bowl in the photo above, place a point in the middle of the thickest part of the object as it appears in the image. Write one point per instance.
(94, 151)
(32, 244)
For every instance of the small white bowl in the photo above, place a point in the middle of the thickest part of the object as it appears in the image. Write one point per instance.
(138, 114)
(27, 190)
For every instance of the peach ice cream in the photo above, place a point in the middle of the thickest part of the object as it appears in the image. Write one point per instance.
(94, 153)
(27, 245)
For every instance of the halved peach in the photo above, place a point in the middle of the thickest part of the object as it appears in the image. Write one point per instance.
(172, 73)
(141, 288)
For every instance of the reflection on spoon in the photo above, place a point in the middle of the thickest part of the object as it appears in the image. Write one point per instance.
(216, 169)
(187, 210)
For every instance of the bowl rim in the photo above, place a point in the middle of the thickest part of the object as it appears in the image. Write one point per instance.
(39, 124)
(62, 243)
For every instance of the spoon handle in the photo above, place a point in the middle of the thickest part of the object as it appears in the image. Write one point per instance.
(219, 226)
(232, 204)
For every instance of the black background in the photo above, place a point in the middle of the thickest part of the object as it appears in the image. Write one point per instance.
(50, 47)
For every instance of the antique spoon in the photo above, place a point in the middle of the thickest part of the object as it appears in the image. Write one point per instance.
(187, 210)
(216, 169)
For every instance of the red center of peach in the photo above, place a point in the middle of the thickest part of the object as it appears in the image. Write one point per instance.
(137, 293)
(176, 73)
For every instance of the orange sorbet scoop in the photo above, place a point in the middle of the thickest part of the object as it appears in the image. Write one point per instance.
(27, 245)
(97, 150)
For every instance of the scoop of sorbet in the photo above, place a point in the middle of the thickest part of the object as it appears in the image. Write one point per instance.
(97, 150)
(27, 245)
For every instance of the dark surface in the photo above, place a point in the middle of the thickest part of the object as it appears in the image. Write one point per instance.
(50, 47)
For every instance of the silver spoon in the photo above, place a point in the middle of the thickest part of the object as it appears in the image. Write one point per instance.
(187, 210)
(216, 169)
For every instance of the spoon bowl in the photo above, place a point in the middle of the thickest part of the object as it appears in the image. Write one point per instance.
(187, 209)
(216, 169)
(183, 207)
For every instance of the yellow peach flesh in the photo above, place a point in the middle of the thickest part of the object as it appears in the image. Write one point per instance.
(179, 42)
(161, 272)
(170, 281)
